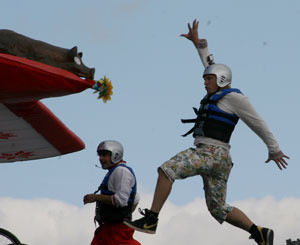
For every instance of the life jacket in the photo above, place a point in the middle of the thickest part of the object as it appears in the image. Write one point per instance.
(211, 121)
(109, 213)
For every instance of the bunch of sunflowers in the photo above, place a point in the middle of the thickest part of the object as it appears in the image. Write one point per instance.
(104, 88)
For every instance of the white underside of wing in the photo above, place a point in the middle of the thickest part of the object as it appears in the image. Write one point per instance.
(19, 141)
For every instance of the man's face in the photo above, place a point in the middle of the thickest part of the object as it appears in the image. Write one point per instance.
(210, 83)
(105, 159)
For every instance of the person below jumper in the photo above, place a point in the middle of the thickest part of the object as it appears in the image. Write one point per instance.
(217, 116)
(117, 199)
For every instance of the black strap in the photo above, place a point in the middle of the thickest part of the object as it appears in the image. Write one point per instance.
(189, 132)
(99, 189)
(189, 120)
(195, 110)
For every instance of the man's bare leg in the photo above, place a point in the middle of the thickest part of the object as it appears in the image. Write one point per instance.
(237, 218)
(162, 191)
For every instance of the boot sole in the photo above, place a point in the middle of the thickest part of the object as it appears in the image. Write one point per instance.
(270, 237)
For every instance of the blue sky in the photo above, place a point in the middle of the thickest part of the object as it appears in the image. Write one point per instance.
(157, 79)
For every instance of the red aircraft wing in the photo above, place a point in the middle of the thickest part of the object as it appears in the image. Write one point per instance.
(28, 129)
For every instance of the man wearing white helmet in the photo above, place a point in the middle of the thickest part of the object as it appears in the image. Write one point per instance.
(117, 198)
(219, 112)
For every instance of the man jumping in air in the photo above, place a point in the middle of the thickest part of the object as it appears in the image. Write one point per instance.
(216, 118)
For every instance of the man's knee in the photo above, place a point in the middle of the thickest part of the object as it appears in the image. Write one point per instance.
(163, 176)
(220, 212)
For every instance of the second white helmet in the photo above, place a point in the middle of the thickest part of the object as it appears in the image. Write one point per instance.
(222, 72)
(114, 147)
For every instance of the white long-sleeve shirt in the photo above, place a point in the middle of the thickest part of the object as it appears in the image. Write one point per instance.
(204, 54)
(239, 104)
(121, 182)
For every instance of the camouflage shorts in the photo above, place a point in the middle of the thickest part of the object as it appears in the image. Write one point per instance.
(213, 163)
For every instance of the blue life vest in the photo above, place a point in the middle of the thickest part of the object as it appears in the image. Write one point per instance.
(109, 213)
(211, 121)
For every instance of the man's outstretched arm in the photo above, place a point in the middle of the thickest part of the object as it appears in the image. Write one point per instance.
(241, 106)
(200, 44)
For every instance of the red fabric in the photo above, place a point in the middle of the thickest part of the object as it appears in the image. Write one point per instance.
(48, 125)
(23, 80)
(114, 234)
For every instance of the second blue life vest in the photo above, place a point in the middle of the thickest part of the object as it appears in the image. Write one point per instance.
(109, 213)
(211, 121)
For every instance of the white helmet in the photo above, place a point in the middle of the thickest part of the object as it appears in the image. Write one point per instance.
(222, 72)
(114, 147)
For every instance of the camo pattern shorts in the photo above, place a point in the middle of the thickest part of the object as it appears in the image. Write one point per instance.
(214, 164)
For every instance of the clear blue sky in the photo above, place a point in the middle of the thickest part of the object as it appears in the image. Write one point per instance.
(157, 79)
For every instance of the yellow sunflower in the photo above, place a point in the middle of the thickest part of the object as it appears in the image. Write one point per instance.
(104, 87)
